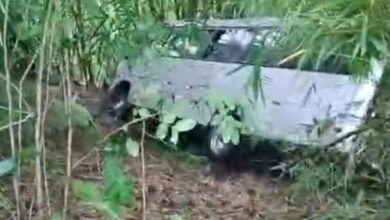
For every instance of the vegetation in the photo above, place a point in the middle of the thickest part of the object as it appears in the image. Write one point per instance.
(64, 43)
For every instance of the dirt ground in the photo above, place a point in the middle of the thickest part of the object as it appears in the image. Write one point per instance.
(175, 187)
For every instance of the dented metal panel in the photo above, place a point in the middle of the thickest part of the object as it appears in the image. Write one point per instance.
(294, 100)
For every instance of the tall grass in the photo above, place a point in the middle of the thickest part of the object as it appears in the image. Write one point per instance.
(340, 33)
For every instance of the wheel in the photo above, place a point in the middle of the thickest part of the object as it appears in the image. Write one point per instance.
(115, 103)
(218, 148)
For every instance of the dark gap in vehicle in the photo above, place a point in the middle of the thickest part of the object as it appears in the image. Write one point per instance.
(270, 55)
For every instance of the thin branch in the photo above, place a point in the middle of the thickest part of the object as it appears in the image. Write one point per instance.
(20, 106)
(347, 135)
(10, 125)
(15, 110)
(67, 97)
(44, 115)
(290, 57)
(125, 126)
(143, 171)
(111, 134)
(38, 124)
(17, 90)
(21, 100)
(9, 97)
(30, 210)
(95, 149)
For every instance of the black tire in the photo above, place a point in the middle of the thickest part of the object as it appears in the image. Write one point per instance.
(218, 149)
(116, 104)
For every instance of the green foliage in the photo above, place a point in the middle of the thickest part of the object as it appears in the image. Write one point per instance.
(168, 118)
(314, 177)
(350, 32)
(132, 147)
(326, 176)
(6, 166)
(117, 145)
(181, 126)
(177, 217)
(56, 216)
(229, 126)
(169, 124)
(143, 113)
(184, 125)
(80, 116)
(86, 191)
(118, 186)
(27, 155)
(254, 81)
(118, 190)
(162, 131)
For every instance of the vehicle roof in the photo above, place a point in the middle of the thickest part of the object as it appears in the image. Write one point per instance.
(254, 22)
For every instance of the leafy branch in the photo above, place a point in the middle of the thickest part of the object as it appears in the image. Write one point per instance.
(227, 118)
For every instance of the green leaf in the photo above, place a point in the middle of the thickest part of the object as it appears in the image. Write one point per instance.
(168, 118)
(237, 124)
(132, 147)
(380, 46)
(174, 136)
(119, 189)
(134, 112)
(86, 191)
(112, 171)
(225, 129)
(6, 166)
(215, 100)
(230, 130)
(229, 102)
(363, 37)
(111, 146)
(235, 136)
(185, 125)
(144, 113)
(226, 135)
(162, 131)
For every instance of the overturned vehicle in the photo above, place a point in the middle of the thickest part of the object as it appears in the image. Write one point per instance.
(225, 89)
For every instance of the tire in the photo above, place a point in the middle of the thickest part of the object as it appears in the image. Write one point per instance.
(218, 149)
(115, 103)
